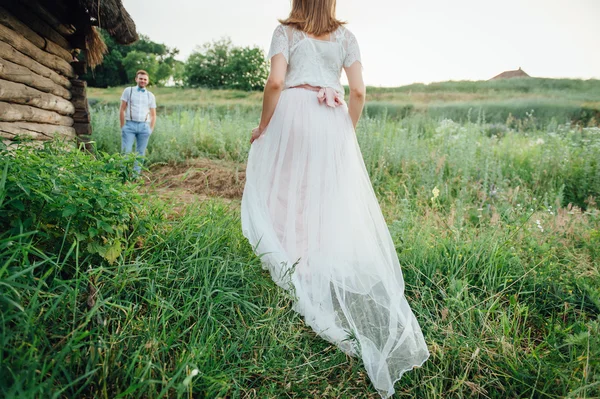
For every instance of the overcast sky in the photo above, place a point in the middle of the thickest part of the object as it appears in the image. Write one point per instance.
(403, 42)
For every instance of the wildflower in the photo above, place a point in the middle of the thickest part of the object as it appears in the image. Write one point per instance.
(189, 378)
(436, 193)
(539, 225)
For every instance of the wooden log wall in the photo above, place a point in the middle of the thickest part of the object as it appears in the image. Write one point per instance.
(81, 116)
(10, 21)
(40, 93)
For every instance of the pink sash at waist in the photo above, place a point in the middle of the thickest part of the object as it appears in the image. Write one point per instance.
(325, 95)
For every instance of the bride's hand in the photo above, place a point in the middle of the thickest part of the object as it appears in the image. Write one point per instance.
(256, 132)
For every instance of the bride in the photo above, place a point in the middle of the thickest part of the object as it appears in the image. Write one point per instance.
(309, 209)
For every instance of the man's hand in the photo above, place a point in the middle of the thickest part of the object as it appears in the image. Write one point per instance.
(152, 119)
(122, 110)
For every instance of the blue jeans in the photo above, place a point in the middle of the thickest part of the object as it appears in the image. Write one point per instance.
(138, 132)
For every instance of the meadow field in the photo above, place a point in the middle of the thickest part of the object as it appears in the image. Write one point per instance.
(492, 101)
(118, 289)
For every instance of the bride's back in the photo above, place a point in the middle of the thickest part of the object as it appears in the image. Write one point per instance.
(316, 62)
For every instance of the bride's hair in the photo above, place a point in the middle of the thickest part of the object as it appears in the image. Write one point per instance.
(315, 17)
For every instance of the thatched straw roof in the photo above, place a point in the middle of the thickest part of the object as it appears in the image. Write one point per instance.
(71, 24)
(518, 73)
(109, 15)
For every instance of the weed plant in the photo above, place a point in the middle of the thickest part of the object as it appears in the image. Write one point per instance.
(60, 195)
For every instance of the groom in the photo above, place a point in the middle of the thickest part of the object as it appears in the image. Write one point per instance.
(137, 116)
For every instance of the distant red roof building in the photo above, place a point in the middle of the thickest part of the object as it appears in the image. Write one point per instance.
(519, 73)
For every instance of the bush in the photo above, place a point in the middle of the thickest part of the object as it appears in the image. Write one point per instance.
(65, 196)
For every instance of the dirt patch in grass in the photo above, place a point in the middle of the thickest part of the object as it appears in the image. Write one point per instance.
(197, 179)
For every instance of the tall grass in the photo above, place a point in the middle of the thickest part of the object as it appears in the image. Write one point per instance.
(502, 271)
(184, 133)
(475, 162)
(558, 162)
(506, 311)
(543, 110)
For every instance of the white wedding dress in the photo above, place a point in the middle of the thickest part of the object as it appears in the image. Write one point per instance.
(310, 212)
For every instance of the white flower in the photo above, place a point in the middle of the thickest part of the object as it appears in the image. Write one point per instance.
(539, 225)
(189, 378)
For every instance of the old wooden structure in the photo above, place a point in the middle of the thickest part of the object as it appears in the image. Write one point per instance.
(45, 45)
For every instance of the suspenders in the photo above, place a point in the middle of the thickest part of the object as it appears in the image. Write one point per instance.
(129, 104)
(130, 112)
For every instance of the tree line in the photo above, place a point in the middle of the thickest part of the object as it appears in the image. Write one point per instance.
(216, 65)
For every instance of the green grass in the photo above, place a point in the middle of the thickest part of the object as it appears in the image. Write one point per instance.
(502, 270)
(508, 311)
(509, 88)
(560, 162)
(452, 91)
(177, 96)
(549, 99)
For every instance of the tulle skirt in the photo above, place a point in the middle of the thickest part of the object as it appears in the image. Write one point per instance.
(310, 212)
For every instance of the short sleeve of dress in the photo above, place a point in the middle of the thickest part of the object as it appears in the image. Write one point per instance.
(352, 50)
(279, 44)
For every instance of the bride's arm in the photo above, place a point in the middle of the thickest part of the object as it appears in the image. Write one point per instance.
(273, 89)
(357, 91)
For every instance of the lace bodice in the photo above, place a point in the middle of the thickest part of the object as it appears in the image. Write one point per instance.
(313, 61)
